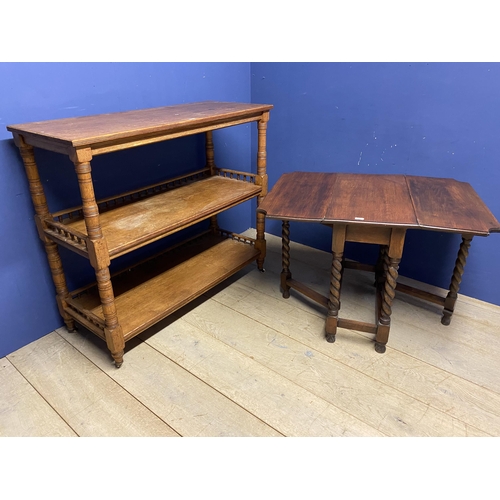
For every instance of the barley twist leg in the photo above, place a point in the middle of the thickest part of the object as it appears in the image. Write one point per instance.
(285, 258)
(456, 279)
(388, 294)
(260, 243)
(334, 297)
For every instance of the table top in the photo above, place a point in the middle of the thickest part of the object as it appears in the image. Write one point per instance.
(96, 129)
(410, 201)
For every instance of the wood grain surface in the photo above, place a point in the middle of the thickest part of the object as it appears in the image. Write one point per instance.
(450, 205)
(96, 129)
(132, 226)
(300, 196)
(89, 401)
(371, 198)
(155, 289)
(380, 200)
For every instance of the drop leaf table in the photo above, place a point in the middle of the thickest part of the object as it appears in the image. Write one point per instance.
(377, 209)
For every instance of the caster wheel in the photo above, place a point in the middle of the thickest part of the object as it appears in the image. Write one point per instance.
(380, 348)
(330, 338)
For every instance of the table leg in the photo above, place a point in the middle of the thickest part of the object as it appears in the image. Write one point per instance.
(390, 263)
(338, 242)
(456, 279)
(388, 294)
(285, 258)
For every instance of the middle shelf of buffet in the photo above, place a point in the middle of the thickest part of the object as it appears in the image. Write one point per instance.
(137, 218)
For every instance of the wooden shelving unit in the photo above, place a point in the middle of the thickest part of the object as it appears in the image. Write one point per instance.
(118, 307)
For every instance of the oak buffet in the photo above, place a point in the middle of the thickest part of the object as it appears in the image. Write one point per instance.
(119, 307)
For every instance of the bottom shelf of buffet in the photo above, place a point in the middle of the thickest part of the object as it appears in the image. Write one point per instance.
(155, 288)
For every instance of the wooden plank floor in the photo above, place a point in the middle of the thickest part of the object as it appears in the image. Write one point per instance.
(243, 361)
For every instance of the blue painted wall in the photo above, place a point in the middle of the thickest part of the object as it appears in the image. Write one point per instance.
(31, 92)
(436, 119)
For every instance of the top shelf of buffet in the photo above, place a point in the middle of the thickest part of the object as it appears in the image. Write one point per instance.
(114, 131)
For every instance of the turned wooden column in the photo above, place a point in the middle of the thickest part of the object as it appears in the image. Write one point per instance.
(99, 255)
(42, 211)
(210, 164)
(260, 244)
(456, 279)
(332, 317)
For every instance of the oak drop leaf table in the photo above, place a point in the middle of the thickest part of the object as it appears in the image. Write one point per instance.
(377, 209)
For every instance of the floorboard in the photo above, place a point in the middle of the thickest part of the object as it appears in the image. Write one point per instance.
(85, 397)
(24, 412)
(182, 400)
(283, 404)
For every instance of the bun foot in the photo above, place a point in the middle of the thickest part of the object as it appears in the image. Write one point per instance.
(445, 320)
(380, 348)
(330, 337)
(70, 325)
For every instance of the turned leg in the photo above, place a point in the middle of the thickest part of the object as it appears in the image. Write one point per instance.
(261, 179)
(59, 279)
(389, 259)
(388, 294)
(42, 211)
(210, 164)
(209, 152)
(112, 330)
(456, 279)
(332, 316)
(214, 226)
(334, 297)
(99, 257)
(285, 258)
